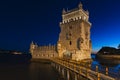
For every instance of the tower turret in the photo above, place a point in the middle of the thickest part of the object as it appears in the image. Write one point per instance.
(32, 47)
(63, 12)
(80, 6)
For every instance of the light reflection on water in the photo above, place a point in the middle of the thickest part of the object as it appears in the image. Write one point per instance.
(42, 71)
(113, 69)
(117, 67)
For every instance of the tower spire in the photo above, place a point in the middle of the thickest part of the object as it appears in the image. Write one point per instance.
(32, 43)
(63, 12)
(80, 5)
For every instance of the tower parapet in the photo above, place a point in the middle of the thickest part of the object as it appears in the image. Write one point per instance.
(75, 14)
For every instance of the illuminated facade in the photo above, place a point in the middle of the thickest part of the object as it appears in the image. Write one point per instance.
(74, 39)
(43, 52)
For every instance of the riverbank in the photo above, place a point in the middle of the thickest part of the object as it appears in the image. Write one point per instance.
(108, 59)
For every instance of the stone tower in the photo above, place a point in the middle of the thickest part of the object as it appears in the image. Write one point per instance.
(32, 47)
(74, 39)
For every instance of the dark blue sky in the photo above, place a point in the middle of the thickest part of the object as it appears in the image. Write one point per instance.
(38, 20)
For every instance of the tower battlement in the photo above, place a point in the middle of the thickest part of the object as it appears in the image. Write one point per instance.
(75, 14)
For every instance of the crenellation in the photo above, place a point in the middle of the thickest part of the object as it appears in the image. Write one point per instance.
(73, 19)
(43, 51)
(75, 15)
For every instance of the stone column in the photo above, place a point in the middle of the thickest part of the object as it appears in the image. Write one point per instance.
(98, 76)
(63, 72)
(106, 70)
(76, 76)
(96, 68)
(59, 68)
(68, 75)
(56, 66)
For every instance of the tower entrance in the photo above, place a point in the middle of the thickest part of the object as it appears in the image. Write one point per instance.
(67, 54)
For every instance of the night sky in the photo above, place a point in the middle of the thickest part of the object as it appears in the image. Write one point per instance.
(38, 20)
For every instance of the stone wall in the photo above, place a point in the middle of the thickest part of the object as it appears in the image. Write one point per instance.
(43, 52)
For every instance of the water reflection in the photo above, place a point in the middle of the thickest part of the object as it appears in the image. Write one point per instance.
(113, 68)
(32, 71)
(117, 67)
(42, 71)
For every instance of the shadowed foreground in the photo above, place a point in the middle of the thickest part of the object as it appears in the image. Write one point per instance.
(32, 71)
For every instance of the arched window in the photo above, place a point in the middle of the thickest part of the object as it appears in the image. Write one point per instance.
(70, 42)
(86, 35)
(70, 27)
(68, 36)
(78, 43)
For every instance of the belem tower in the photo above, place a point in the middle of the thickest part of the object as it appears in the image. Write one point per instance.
(74, 37)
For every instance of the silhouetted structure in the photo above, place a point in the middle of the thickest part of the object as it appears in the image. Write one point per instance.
(9, 56)
(108, 55)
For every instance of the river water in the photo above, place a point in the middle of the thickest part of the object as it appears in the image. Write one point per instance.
(43, 71)
(32, 71)
(113, 69)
